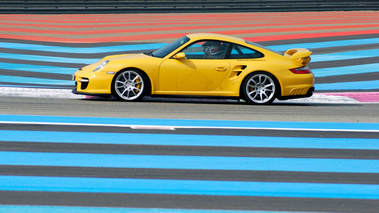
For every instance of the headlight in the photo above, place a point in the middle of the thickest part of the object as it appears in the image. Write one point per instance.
(101, 66)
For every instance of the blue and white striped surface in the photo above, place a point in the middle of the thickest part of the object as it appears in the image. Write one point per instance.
(60, 68)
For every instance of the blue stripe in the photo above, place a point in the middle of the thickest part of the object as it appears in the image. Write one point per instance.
(138, 47)
(324, 72)
(346, 70)
(359, 85)
(48, 58)
(187, 140)
(38, 68)
(189, 187)
(188, 162)
(106, 49)
(357, 69)
(326, 44)
(30, 80)
(192, 123)
(24, 86)
(65, 209)
(315, 58)
(345, 55)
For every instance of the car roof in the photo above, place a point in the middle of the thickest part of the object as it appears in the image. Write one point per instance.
(215, 36)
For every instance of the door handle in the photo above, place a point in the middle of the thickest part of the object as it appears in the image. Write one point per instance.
(221, 69)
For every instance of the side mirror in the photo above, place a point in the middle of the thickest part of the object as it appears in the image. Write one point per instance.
(180, 55)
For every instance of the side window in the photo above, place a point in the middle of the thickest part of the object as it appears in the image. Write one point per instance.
(241, 52)
(206, 50)
(194, 51)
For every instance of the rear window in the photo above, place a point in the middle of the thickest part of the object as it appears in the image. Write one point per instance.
(263, 47)
(241, 52)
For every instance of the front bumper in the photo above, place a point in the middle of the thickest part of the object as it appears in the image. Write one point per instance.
(91, 83)
(75, 91)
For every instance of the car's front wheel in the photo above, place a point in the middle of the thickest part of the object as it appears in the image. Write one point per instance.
(259, 88)
(129, 85)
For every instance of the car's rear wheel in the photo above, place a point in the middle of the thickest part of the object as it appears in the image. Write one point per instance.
(259, 88)
(129, 85)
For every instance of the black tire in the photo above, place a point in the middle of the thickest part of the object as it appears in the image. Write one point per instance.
(259, 88)
(130, 85)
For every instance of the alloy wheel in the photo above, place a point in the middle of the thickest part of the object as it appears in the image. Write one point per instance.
(129, 85)
(260, 88)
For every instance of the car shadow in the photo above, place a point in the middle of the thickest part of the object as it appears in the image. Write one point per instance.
(216, 101)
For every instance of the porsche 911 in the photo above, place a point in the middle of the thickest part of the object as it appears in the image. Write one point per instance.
(202, 65)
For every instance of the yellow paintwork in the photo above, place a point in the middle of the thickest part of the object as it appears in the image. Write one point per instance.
(175, 75)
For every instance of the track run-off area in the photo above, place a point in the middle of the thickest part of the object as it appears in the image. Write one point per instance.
(75, 155)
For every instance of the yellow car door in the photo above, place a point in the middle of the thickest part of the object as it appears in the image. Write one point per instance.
(192, 74)
(199, 67)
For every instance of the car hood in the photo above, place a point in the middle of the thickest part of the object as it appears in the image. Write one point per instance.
(125, 56)
(116, 60)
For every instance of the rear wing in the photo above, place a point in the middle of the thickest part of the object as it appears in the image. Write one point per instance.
(299, 56)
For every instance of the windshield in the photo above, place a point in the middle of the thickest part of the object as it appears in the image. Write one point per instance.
(263, 47)
(162, 52)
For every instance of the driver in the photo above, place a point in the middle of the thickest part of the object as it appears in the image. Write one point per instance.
(213, 50)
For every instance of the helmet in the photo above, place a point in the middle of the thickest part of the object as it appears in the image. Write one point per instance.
(211, 48)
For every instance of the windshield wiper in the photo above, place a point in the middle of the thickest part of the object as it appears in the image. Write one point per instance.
(149, 53)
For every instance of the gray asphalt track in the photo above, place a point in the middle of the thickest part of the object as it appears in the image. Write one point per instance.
(192, 109)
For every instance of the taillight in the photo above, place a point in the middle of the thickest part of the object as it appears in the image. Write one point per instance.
(301, 70)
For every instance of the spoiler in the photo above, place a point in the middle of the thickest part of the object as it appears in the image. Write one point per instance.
(299, 56)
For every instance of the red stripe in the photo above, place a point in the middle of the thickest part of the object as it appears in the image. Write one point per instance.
(103, 18)
(160, 23)
(188, 28)
(177, 35)
(274, 23)
(97, 25)
(310, 35)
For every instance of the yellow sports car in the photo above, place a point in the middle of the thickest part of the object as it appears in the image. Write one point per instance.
(202, 65)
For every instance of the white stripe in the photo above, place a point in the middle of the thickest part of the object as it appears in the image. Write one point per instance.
(163, 127)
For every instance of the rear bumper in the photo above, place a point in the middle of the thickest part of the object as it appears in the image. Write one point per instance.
(308, 94)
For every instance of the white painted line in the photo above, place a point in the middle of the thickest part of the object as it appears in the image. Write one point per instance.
(146, 127)
(162, 127)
